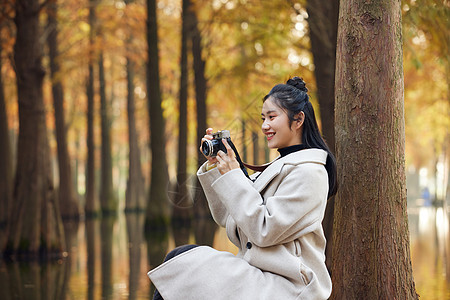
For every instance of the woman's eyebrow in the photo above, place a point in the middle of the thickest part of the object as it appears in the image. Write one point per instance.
(269, 112)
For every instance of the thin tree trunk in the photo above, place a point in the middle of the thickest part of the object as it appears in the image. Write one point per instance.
(181, 216)
(66, 193)
(205, 226)
(157, 212)
(6, 168)
(135, 194)
(371, 257)
(255, 141)
(92, 207)
(35, 218)
(107, 199)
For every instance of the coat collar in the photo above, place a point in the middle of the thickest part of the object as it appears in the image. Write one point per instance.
(299, 157)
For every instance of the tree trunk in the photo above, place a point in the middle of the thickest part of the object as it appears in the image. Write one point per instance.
(255, 141)
(135, 194)
(92, 207)
(6, 168)
(181, 216)
(205, 227)
(66, 194)
(157, 212)
(323, 24)
(107, 199)
(371, 257)
(36, 225)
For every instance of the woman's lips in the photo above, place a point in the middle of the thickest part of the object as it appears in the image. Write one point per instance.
(270, 135)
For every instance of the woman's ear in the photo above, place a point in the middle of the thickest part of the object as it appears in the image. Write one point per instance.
(300, 118)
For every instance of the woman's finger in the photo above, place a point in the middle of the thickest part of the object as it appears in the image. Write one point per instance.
(230, 151)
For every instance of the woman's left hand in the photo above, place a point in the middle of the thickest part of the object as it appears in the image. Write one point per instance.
(226, 161)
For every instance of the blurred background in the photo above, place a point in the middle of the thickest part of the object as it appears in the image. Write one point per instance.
(212, 70)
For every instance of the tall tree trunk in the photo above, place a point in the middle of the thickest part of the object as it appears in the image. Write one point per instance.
(181, 216)
(36, 226)
(92, 207)
(323, 24)
(157, 212)
(371, 257)
(107, 199)
(6, 168)
(205, 226)
(66, 194)
(135, 194)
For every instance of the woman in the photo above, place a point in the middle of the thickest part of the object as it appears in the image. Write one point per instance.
(274, 218)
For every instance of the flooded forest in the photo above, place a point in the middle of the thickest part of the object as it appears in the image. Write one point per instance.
(103, 105)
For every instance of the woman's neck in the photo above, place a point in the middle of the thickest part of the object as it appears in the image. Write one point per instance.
(290, 149)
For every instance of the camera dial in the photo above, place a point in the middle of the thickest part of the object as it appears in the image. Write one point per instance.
(211, 147)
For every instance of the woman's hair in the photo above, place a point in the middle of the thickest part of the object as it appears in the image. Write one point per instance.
(293, 98)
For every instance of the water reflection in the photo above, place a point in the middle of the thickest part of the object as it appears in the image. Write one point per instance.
(109, 259)
(135, 225)
(429, 231)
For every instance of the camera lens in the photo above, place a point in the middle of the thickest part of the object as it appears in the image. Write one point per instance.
(207, 148)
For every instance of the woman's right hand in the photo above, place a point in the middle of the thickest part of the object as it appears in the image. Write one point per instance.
(208, 136)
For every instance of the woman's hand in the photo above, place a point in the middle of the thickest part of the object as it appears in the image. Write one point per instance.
(226, 161)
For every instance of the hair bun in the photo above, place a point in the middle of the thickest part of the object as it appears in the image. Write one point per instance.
(298, 83)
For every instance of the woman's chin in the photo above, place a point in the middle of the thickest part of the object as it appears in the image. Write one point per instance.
(271, 145)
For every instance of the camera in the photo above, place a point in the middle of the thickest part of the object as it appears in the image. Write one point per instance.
(211, 147)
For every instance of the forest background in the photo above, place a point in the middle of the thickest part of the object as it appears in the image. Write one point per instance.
(101, 59)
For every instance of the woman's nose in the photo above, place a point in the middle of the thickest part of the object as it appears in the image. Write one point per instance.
(265, 126)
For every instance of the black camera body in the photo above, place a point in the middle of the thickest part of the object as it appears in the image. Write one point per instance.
(211, 147)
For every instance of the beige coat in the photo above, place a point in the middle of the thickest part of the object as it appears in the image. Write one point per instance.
(275, 222)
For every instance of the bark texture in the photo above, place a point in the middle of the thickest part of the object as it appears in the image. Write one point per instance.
(36, 225)
(371, 257)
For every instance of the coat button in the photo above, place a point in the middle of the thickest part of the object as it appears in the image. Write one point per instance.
(249, 245)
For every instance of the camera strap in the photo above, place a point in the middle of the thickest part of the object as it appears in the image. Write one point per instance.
(244, 165)
(238, 158)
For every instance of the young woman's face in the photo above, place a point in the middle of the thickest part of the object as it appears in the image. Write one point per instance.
(276, 126)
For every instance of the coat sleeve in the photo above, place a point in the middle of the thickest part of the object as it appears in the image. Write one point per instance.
(293, 210)
(218, 210)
